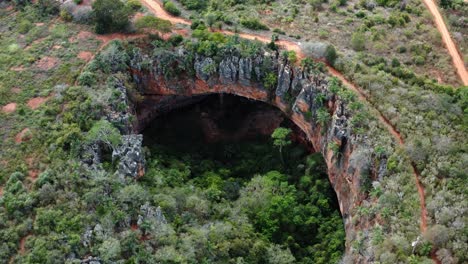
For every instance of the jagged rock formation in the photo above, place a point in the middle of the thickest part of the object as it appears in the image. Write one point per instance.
(301, 95)
(130, 156)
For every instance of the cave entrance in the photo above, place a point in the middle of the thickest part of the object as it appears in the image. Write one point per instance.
(218, 147)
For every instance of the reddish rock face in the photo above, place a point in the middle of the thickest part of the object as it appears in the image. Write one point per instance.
(299, 95)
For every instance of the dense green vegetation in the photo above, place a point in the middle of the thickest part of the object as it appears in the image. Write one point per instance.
(50, 200)
(171, 8)
(286, 211)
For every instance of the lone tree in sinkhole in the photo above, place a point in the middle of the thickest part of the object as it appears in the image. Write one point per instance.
(281, 139)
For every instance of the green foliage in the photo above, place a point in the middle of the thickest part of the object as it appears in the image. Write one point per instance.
(24, 26)
(291, 55)
(358, 41)
(87, 78)
(176, 39)
(280, 137)
(113, 59)
(65, 15)
(103, 131)
(151, 22)
(110, 16)
(270, 80)
(194, 4)
(253, 23)
(331, 55)
(171, 8)
(134, 5)
(48, 7)
(323, 116)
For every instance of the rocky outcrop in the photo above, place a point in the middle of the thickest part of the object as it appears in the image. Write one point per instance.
(303, 96)
(130, 156)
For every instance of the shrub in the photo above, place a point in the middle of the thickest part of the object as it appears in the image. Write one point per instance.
(24, 26)
(134, 5)
(65, 15)
(270, 80)
(292, 56)
(195, 4)
(176, 39)
(83, 15)
(320, 51)
(358, 41)
(171, 8)
(87, 79)
(77, 1)
(419, 60)
(279, 31)
(152, 22)
(114, 58)
(253, 23)
(110, 16)
(211, 19)
(69, 7)
(330, 54)
(48, 7)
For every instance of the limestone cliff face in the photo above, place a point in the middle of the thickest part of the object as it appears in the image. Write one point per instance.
(299, 94)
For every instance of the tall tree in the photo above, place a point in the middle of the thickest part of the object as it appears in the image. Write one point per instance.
(110, 16)
(281, 139)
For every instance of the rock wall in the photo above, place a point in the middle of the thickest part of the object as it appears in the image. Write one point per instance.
(299, 94)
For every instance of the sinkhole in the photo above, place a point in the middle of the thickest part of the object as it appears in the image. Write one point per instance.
(217, 168)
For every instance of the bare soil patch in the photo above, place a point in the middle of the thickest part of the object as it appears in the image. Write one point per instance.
(9, 108)
(47, 63)
(32, 174)
(34, 103)
(18, 68)
(22, 248)
(24, 135)
(85, 55)
(81, 35)
(16, 90)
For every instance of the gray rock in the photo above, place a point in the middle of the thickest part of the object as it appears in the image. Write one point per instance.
(298, 81)
(205, 68)
(228, 70)
(152, 215)
(245, 71)
(284, 80)
(91, 155)
(382, 171)
(91, 260)
(87, 237)
(130, 156)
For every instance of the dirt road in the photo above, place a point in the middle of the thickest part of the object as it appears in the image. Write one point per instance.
(447, 39)
(156, 8)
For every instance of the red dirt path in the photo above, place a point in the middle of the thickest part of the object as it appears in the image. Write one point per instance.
(447, 39)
